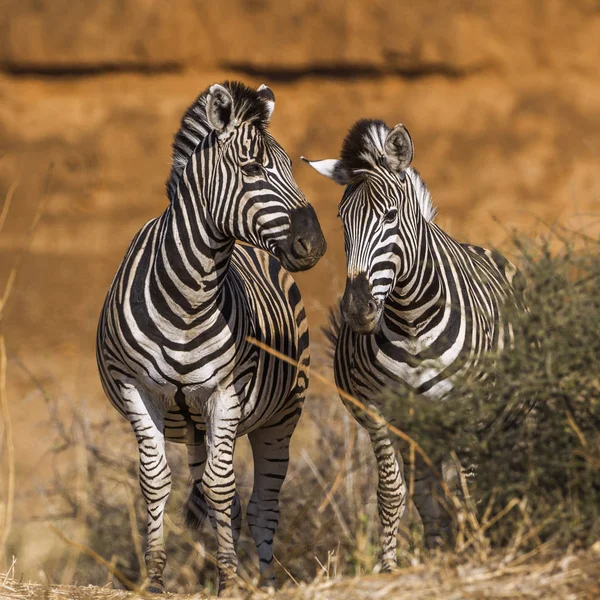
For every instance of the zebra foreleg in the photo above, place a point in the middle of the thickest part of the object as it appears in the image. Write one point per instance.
(218, 479)
(270, 450)
(196, 508)
(155, 482)
(391, 495)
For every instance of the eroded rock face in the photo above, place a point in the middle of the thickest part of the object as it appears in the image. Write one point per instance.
(496, 153)
(450, 36)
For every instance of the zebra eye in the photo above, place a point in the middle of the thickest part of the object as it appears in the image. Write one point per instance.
(390, 215)
(253, 169)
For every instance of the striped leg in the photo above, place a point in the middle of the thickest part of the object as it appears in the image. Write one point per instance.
(218, 479)
(391, 495)
(155, 481)
(270, 450)
(196, 509)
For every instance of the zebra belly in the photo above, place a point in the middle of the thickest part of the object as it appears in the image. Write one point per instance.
(185, 421)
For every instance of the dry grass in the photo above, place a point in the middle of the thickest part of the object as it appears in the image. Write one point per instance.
(566, 576)
(7, 502)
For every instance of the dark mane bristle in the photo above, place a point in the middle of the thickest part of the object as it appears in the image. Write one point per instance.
(362, 151)
(249, 107)
(363, 145)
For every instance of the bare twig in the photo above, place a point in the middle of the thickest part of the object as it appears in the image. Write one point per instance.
(10, 451)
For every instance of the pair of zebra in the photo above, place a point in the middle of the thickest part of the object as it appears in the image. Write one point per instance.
(419, 310)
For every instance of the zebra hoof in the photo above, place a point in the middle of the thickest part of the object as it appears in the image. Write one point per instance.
(156, 588)
(385, 566)
(227, 588)
(267, 587)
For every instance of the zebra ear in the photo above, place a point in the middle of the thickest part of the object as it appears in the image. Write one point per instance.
(399, 149)
(330, 167)
(266, 93)
(219, 108)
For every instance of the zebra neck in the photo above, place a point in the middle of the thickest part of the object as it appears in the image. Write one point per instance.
(192, 257)
(419, 299)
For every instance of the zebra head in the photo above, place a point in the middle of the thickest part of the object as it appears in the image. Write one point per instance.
(223, 147)
(381, 214)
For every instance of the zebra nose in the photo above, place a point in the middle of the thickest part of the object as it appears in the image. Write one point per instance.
(306, 241)
(359, 308)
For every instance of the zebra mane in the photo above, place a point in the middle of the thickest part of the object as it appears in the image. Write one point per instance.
(428, 208)
(248, 107)
(362, 150)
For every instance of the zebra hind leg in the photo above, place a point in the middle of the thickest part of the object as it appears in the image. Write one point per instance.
(391, 495)
(270, 450)
(428, 499)
(155, 482)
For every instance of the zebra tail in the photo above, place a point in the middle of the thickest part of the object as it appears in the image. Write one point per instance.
(332, 329)
(195, 509)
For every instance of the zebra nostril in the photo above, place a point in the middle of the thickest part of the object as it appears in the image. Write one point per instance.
(372, 305)
(301, 247)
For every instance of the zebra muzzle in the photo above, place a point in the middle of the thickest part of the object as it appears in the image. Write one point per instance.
(359, 308)
(305, 244)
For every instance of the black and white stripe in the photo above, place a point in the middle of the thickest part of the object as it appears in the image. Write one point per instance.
(172, 339)
(420, 310)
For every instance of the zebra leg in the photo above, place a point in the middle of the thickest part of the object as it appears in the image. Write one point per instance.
(155, 482)
(437, 522)
(391, 495)
(270, 451)
(218, 480)
(196, 509)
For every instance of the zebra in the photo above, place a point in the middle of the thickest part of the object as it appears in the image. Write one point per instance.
(419, 310)
(172, 344)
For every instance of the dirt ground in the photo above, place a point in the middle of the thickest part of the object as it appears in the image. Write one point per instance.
(502, 102)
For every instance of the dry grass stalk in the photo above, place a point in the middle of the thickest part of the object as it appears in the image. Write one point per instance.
(10, 453)
(339, 477)
(82, 512)
(7, 202)
(32, 228)
(6, 523)
(137, 545)
(83, 549)
(334, 505)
